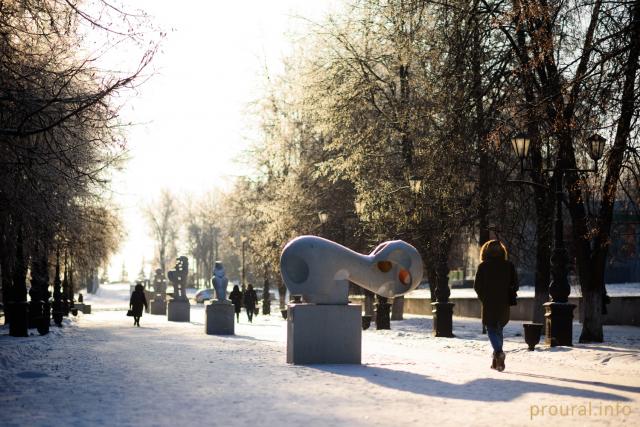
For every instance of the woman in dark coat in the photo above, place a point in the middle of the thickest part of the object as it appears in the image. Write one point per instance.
(496, 285)
(250, 301)
(136, 303)
(236, 298)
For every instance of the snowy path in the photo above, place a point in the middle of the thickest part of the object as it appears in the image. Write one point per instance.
(99, 370)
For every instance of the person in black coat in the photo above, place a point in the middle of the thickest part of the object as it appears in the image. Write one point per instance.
(496, 285)
(236, 298)
(250, 301)
(136, 303)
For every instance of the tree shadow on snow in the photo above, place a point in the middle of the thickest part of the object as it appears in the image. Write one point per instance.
(482, 389)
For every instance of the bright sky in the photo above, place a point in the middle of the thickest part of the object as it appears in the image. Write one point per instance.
(193, 113)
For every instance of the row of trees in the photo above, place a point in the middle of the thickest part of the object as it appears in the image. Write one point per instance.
(391, 89)
(60, 137)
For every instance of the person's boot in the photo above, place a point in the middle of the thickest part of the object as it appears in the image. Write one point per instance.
(493, 361)
(500, 361)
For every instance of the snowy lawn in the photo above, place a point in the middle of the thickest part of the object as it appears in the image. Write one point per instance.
(100, 370)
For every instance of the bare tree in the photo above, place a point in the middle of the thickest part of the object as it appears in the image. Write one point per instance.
(162, 218)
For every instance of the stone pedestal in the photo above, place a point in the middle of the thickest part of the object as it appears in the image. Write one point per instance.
(324, 334)
(558, 323)
(443, 319)
(158, 306)
(179, 311)
(220, 318)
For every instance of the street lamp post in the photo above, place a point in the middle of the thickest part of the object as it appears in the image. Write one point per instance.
(243, 239)
(558, 311)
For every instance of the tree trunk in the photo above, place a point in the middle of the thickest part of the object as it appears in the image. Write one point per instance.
(282, 294)
(397, 309)
(592, 293)
(591, 312)
(368, 302)
(6, 285)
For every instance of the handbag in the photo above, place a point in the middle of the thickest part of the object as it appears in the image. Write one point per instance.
(130, 313)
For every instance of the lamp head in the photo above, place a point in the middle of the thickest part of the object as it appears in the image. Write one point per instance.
(596, 144)
(520, 144)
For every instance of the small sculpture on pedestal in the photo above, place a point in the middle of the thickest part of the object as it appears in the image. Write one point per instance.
(219, 314)
(219, 281)
(158, 303)
(327, 328)
(179, 307)
(178, 278)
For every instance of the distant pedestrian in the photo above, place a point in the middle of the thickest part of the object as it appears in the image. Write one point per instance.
(496, 285)
(250, 301)
(136, 303)
(236, 298)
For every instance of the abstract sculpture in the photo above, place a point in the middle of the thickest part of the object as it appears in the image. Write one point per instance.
(320, 270)
(219, 281)
(325, 328)
(159, 284)
(179, 307)
(179, 278)
(158, 303)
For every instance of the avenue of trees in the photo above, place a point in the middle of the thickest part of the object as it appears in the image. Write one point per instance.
(60, 138)
(390, 90)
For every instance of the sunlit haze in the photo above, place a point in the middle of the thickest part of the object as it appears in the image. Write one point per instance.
(191, 118)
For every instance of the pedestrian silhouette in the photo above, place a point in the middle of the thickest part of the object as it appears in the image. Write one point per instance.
(136, 303)
(236, 298)
(496, 285)
(250, 301)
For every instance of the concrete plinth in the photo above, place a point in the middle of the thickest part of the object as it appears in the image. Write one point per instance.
(179, 311)
(158, 306)
(219, 318)
(558, 323)
(324, 334)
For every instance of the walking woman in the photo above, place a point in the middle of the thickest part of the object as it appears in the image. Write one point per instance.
(236, 298)
(496, 285)
(136, 303)
(250, 301)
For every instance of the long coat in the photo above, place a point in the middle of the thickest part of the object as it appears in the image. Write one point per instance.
(236, 298)
(250, 299)
(137, 302)
(496, 280)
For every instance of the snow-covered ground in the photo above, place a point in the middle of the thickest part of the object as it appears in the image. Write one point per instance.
(100, 370)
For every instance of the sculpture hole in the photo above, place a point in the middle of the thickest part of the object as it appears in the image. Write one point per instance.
(296, 268)
(405, 277)
(384, 266)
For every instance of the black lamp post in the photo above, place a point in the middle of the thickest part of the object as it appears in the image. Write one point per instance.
(559, 312)
(57, 294)
(243, 239)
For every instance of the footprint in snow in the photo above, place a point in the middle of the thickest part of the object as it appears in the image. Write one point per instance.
(31, 374)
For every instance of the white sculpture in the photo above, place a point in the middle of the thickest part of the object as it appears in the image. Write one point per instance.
(320, 270)
(219, 281)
